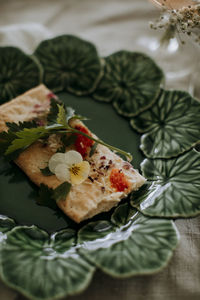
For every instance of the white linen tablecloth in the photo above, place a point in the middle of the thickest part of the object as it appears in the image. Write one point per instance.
(111, 25)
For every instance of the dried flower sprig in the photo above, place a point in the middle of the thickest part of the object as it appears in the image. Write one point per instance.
(185, 20)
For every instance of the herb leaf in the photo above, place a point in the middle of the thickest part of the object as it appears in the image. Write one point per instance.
(61, 117)
(66, 142)
(15, 127)
(66, 114)
(45, 198)
(52, 115)
(61, 192)
(49, 197)
(46, 171)
(6, 138)
(26, 137)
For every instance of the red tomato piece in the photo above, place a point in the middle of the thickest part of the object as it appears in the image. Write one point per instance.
(118, 180)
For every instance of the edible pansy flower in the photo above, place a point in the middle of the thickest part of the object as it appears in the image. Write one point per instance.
(69, 167)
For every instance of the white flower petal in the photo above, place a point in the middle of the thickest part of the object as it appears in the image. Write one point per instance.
(82, 173)
(56, 159)
(62, 172)
(73, 157)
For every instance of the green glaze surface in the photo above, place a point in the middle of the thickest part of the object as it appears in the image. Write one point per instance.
(131, 80)
(6, 224)
(44, 267)
(173, 187)
(171, 125)
(146, 243)
(18, 73)
(53, 256)
(52, 266)
(70, 64)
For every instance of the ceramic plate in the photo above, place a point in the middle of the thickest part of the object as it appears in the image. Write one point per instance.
(43, 254)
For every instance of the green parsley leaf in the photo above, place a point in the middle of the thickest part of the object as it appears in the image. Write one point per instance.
(26, 137)
(66, 114)
(61, 117)
(45, 198)
(52, 115)
(61, 192)
(49, 197)
(6, 139)
(66, 142)
(46, 171)
(15, 127)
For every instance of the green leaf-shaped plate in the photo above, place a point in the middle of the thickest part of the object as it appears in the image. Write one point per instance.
(131, 80)
(171, 125)
(122, 248)
(173, 187)
(59, 259)
(18, 73)
(44, 267)
(31, 250)
(50, 267)
(70, 64)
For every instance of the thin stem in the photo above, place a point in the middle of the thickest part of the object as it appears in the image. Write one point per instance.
(58, 128)
(73, 130)
(168, 35)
